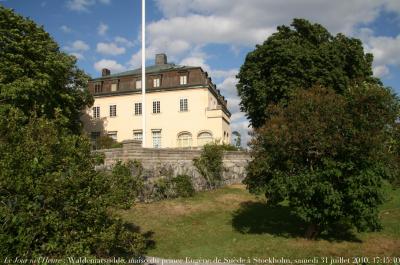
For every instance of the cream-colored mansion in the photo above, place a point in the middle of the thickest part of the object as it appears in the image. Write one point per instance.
(183, 107)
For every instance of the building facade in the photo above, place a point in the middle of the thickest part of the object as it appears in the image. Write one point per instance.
(183, 107)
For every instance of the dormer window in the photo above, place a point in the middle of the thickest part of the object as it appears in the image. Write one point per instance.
(156, 82)
(114, 87)
(183, 80)
(138, 84)
(97, 88)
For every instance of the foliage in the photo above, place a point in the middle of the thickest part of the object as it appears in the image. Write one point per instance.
(36, 77)
(53, 202)
(126, 178)
(106, 142)
(168, 187)
(299, 58)
(237, 140)
(327, 155)
(183, 186)
(210, 164)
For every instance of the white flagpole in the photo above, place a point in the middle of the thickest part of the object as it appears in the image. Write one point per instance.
(143, 74)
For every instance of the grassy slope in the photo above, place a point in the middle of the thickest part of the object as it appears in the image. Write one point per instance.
(230, 222)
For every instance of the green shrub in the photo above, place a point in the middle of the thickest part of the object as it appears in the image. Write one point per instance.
(183, 186)
(210, 164)
(106, 142)
(53, 202)
(127, 179)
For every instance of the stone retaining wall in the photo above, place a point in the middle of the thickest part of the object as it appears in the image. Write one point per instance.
(158, 162)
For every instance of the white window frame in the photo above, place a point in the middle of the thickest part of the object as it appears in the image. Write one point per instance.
(183, 105)
(183, 79)
(184, 139)
(138, 108)
(96, 112)
(156, 137)
(204, 140)
(111, 111)
(113, 135)
(138, 84)
(136, 133)
(97, 88)
(156, 107)
(156, 82)
(114, 87)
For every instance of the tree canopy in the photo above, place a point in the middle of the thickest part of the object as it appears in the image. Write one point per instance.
(299, 57)
(326, 154)
(35, 76)
(53, 202)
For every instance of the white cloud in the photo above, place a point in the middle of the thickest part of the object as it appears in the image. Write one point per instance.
(83, 5)
(109, 49)
(381, 71)
(385, 50)
(80, 45)
(77, 45)
(79, 5)
(65, 29)
(124, 41)
(195, 61)
(112, 65)
(102, 29)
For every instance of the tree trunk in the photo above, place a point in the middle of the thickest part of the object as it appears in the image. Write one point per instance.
(312, 231)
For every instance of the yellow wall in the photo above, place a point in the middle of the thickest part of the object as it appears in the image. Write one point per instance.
(201, 116)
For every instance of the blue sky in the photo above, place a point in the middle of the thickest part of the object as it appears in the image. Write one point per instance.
(214, 34)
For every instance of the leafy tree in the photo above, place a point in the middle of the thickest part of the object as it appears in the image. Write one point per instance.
(238, 139)
(210, 164)
(53, 202)
(295, 58)
(35, 76)
(326, 154)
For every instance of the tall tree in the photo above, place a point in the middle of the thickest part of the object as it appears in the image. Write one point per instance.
(327, 155)
(52, 201)
(35, 76)
(299, 57)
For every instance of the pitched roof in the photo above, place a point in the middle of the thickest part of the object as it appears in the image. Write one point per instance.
(149, 70)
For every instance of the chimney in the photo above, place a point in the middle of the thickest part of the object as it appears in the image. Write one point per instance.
(105, 72)
(161, 58)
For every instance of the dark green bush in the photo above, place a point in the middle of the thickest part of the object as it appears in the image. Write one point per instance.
(106, 142)
(53, 202)
(210, 164)
(183, 186)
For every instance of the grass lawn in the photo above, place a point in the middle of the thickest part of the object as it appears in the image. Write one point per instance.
(230, 222)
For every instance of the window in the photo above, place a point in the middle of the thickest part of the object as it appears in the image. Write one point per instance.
(138, 108)
(113, 110)
(138, 84)
(113, 135)
(156, 138)
(204, 138)
(94, 136)
(156, 106)
(156, 82)
(137, 135)
(96, 112)
(113, 87)
(183, 80)
(97, 88)
(183, 104)
(184, 139)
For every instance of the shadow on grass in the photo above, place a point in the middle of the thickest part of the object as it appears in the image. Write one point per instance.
(149, 243)
(261, 218)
